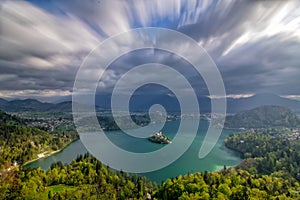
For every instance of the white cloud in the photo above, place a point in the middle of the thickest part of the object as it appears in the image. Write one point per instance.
(33, 93)
(30, 32)
(280, 18)
(234, 96)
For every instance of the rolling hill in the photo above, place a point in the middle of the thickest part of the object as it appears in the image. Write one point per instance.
(237, 105)
(263, 117)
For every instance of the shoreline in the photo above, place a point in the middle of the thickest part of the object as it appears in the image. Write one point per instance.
(48, 154)
(218, 165)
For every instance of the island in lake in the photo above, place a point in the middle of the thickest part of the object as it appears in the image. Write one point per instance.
(160, 138)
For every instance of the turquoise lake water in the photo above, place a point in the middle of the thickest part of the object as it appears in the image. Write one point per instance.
(187, 163)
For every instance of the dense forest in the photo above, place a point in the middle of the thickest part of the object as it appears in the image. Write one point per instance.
(263, 117)
(271, 151)
(87, 178)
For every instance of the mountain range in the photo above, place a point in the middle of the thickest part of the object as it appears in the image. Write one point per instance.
(263, 117)
(33, 105)
(237, 105)
(143, 102)
(234, 105)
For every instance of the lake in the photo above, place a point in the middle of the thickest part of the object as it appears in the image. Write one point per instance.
(187, 163)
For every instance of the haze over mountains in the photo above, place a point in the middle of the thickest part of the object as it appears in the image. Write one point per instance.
(143, 102)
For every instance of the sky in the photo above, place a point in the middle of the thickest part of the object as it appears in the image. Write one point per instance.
(254, 44)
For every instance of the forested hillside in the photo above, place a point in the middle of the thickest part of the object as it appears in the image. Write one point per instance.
(263, 117)
(269, 151)
(19, 144)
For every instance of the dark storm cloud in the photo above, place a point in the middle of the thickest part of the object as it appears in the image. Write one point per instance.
(266, 59)
(264, 65)
(255, 44)
(136, 58)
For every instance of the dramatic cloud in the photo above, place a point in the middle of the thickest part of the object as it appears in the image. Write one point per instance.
(39, 50)
(255, 44)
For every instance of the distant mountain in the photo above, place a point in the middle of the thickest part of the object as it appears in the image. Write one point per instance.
(143, 103)
(263, 117)
(237, 105)
(65, 106)
(24, 105)
(27, 105)
(2, 102)
(33, 105)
